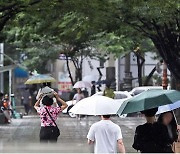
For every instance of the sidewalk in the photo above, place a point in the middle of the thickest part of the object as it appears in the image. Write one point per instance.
(23, 135)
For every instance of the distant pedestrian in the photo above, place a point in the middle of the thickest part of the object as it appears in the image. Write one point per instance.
(108, 92)
(151, 137)
(78, 96)
(1, 100)
(26, 101)
(93, 88)
(106, 136)
(48, 113)
(7, 110)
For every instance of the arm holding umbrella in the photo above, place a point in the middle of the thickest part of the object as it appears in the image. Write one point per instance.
(64, 105)
(36, 105)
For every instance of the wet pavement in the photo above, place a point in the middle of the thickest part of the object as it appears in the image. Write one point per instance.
(22, 135)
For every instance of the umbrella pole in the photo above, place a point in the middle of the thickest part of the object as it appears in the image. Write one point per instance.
(175, 117)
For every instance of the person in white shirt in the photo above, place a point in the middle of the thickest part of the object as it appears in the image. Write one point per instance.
(106, 136)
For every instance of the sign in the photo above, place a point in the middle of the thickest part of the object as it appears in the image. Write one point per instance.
(64, 82)
(64, 86)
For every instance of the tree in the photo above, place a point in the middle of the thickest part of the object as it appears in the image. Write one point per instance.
(121, 24)
(10, 8)
(69, 35)
(159, 21)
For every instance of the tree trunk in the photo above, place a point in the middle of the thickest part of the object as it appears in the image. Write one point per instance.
(78, 74)
(69, 71)
(146, 83)
(168, 47)
(140, 62)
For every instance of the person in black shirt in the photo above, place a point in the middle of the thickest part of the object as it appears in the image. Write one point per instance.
(151, 137)
(93, 88)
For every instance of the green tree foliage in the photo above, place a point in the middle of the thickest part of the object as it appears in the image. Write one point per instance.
(115, 26)
(159, 21)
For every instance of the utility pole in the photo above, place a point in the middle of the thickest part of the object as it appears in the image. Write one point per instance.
(164, 77)
(1, 65)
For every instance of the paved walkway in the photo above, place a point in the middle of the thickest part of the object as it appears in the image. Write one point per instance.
(22, 135)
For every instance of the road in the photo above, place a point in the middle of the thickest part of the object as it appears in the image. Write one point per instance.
(22, 135)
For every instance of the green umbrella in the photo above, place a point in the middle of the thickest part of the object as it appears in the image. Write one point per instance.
(148, 100)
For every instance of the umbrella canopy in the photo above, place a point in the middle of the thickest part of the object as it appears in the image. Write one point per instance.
(96, 105)
(82, 84)
(148, 100)
(168, 107)
(89, 78)
(40, 78)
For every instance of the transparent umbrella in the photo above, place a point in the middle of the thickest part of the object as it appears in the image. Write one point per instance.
(96, 105)
(82, 84)
(168, 107)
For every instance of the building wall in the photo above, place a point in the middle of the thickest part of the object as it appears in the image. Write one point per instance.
(87, 70)
(60, 73)
(148, 66)
(90, 68)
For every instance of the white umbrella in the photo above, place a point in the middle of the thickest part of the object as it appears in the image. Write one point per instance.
(89, 78)
(96, 105)
(82, 84)
(168, 107)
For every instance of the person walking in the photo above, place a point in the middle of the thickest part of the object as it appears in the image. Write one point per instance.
(26, 101)
(48, 113)
(106, 136)
(7, 110)
(1, 100)
(93, 88)
(169, 121)
(108, 92)
(78, 96)
(151, 137)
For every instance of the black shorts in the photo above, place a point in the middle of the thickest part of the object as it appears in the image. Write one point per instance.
(47, 135)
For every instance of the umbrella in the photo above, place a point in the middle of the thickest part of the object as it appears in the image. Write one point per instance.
(168, 107)
(89, 78)
(40, 78)
(82, 84)
(96, 105)
(148, 100)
